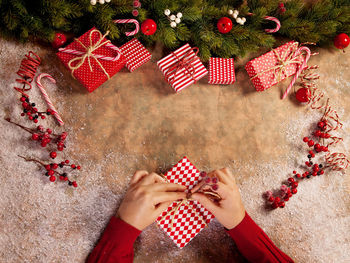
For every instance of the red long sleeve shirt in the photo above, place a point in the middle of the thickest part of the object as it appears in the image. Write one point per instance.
(116, 243)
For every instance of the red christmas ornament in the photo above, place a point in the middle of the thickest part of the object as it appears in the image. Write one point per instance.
(303, 95)
(224, 25)
(148, 27)
(341, 41)
(59, 40)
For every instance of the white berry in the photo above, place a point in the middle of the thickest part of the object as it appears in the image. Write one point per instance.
(234, 15)
(93, 2)
(243, 19)
(172, 17)
(173, 24)
(239, 20)
(177, 20)
(107, 1)
(179, 15)
(236, 12)
(230, 12)
(166, 12)
(101, 1)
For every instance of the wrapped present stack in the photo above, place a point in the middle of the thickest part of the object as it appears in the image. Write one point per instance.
(182, 67)
(92, 59)
(183, 220)
(276, 65)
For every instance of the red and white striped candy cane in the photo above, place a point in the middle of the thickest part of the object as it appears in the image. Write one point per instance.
(127, 21)
(274, 19)
(46, 97)
(300, 69)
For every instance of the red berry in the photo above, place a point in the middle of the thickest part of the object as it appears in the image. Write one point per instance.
(43, 117)
(317, 133)
(49, 131)
(51, 172)
(291, 179)
(78, 167)
(66, 161)
(30, 117)
(66, 178)
(215, 187)
(294, 191)
(290, 194)
(22, 114)
(274, 205)
(59, 40)
(277, 199)
(303, 175)
(224, 25)
(294, 172)
(307, 163)
(286, 198)
(298, 176)
(148, 27)
(203, 174)
(22, 99)
(281, 204)
(305, 139)
(321, 172)
(271, 199)
(314, 173)
(325, 149)
(59, 148)
(207, 180)
(310, 143)
(303, 95)
(316, 169)
(341, 41)
(35, 136)
(43, 144)
(36, 121)
(61, 178)
(52, 178)
(48, 167)
(53, 155)
(294, 185)
(74, 183)
(320, 124)
(73, 166)
(54, 166)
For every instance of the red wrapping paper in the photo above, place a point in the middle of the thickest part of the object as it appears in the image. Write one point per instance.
(92, 80)
(267, 79)
(135, 53)
(221, 71)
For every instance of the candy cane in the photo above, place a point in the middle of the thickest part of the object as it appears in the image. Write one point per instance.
(46, 97)
(127, 21)
(301, 68)
(278, 24)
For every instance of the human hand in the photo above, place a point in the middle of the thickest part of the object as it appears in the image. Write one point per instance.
(147, 197)
(229, 211)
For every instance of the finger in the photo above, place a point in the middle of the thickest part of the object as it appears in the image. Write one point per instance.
(167, 187)
(162, 207)
(138, 176)
(199, 185)
(221, 176)
(228, 172)
(223, 190)
(206, 202)
(160, 197)
(151, 179)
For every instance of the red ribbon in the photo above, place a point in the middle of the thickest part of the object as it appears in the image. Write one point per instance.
(184, 63)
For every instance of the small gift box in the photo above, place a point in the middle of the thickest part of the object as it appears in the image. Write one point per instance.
(92, 59)
(135, 53)
(184, 219)
(221, 71)
(182, 67)
(274, 66)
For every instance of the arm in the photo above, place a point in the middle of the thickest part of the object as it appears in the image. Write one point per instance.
(250, 239)
(147, 197)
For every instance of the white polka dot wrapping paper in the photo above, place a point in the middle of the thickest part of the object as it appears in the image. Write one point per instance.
(259, 68)
(135, 53)
(180, 78)
(221, 71)
(186, 224)
(91, 80)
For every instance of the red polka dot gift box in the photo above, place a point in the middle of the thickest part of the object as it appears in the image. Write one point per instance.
(221, 71)
(92, 59)
(275, 66)
(135, 53)
(183, 220)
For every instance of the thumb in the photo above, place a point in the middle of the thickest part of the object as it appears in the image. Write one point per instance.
(206, 202)
(161, 208)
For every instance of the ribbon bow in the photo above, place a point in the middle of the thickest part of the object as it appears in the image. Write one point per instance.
(88, 54)
(184, 63)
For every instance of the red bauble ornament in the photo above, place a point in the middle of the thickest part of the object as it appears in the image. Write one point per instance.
(303, 95)
(224, 25)
(341, 41)
(148, 27)
(59, 40)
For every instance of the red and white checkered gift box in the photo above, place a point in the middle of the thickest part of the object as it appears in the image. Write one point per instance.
(180, 78)
(262, 70)
(135, 53)
(186, 223)
(221, 71)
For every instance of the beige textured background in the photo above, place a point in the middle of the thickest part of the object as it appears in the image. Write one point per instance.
(135, 121)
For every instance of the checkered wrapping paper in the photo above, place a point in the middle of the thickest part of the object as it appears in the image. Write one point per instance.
(182, 80)
(92, 80)
(186, 224)
(267, 61)
(221, 71)
(135, 53)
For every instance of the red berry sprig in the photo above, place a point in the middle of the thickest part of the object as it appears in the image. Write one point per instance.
(52, 170)
(45, 137)
(31, 112)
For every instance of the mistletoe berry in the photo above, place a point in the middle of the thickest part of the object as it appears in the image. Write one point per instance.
(53, 155)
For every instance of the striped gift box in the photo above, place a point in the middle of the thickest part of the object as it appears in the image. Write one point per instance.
(221, 71)
(181, 79)
(135, 53)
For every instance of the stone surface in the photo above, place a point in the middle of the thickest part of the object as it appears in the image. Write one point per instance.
(136, 121)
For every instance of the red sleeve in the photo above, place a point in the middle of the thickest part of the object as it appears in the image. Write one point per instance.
(254, 244)
(116, 243)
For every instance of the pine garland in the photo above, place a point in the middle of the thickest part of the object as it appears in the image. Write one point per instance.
(317, 22)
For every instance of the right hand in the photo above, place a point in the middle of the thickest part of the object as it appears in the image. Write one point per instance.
(229, 211)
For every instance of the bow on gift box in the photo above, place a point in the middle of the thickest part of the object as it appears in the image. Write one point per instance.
(182, 63)
(286, 59)
(88, 52)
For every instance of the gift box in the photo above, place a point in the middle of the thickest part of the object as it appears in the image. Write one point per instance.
(274, 66)
(221, 71)
(182, 67)
(92, 59)
(182, 221)
(135, 54)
